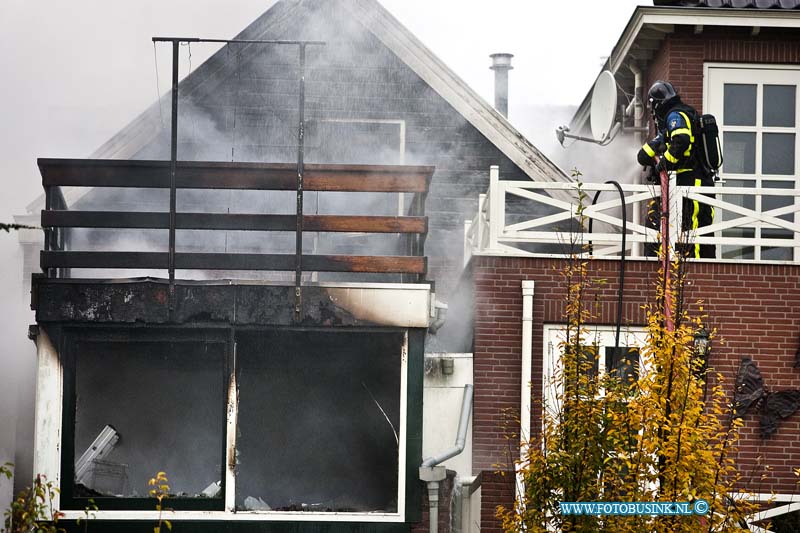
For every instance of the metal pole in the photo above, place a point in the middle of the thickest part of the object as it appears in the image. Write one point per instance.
(298, 273)
(48, 232)
(665, 261)
(173, 166)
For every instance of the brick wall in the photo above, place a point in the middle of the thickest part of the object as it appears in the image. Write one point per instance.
(755, 308)
(496, 488)
(683, 54)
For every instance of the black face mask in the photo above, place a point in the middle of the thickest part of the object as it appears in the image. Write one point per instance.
(660, 114)
(659, 121)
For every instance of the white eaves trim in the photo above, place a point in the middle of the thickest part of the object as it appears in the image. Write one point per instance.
(686, 16)
(707, 17)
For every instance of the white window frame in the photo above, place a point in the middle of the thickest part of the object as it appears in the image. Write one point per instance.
(47, 456)
(601, 335)
(715, 75)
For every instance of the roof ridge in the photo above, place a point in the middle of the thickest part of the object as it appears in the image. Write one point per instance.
(398, 39)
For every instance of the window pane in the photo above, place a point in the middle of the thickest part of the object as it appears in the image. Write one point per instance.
(318, 415)
(779, 105)
(739, 107)
(736, 251)
(776, 253)
(777, 153)
(746, 201)
(739, 151)
(165, 401)
(623, 363)
(773, 202)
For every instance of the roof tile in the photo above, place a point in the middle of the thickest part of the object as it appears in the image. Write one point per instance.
(737, 4)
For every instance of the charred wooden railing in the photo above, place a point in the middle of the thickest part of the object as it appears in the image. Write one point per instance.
(57, 173)
(175, 174)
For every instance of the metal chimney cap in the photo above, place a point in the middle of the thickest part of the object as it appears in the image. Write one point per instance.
(501, 61)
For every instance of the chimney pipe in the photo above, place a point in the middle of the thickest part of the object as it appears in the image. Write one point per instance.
(501, 64)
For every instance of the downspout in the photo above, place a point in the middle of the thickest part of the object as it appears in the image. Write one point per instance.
(525, 385)
(639, 135)
(430, 470)
(638, 108)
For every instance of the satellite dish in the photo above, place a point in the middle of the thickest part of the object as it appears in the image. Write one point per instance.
(604, 105)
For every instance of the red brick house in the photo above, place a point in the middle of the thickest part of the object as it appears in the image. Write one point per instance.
(739, 60)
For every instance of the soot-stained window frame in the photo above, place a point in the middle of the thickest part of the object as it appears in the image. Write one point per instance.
(311, 341)
(152, 334)
(222, 508)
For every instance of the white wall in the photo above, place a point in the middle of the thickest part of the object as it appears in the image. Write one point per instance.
(17, 368)
(442, 398)
(8, 435)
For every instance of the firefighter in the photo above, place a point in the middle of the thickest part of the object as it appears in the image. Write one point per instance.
(678, 147)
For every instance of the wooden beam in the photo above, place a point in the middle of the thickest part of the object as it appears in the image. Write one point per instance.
(660, 28)
(233, 222)
(134, 260)
(641, 55)
(365, 263)
(104, 219)
(210, 261)
(218, 175)
(365, 224)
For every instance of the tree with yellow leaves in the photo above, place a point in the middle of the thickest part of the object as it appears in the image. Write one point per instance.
(660, 436)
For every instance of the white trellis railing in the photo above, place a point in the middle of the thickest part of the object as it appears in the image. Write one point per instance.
(759, 224)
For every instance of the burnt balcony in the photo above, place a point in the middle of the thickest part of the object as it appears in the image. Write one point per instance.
(95, 239)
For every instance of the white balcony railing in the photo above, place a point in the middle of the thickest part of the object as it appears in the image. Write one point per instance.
(750, 224)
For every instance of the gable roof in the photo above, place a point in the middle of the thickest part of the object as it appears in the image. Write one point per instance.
(387, 29)
(648, 27)
(738, 4)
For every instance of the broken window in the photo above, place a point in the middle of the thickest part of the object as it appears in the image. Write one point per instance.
(319, 421)
(144, 406)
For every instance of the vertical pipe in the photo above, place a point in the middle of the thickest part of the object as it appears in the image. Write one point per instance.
(638, 114)
(525, 382)
(422, 237)
(501, 64)
(173, 167)
(466, 504)
(665, 252)
(497, 207)
(298, 272)
(433, 506)
(48, 232)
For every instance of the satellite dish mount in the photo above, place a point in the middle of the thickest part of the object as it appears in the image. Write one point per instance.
(603, 113)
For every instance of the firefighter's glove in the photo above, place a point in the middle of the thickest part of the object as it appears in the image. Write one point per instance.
(650, 174)
(661, 166)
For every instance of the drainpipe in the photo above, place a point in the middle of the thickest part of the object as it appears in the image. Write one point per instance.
(525, 383)
(639, 135)
(638, 107)
(432, 472)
